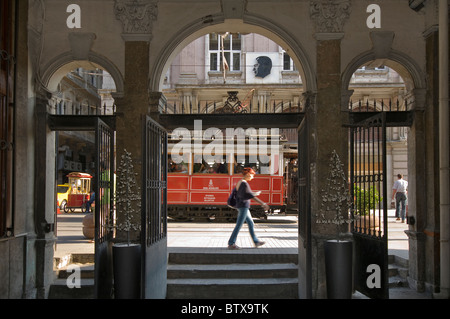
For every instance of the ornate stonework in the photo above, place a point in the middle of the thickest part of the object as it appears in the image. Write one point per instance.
(330, 15)
(137, 16)
(233, 9)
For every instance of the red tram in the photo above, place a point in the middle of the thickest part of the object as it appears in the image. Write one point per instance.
(198, 189)
(194, 196)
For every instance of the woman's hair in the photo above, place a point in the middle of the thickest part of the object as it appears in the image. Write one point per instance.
(248, 170)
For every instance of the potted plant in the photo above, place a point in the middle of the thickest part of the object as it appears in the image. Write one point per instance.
(127, 255)
(365, 201)
(335, 209)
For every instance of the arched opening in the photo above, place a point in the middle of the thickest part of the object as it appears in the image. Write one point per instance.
(59, 67)
(194, 81)
(80, 91)
(256, 26)
(384, 86)
(204, 74)
(198, 83)
(391, 86)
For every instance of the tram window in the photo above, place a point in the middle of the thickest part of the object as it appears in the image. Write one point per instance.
(210, 168)
(177, 168)
(258, 167)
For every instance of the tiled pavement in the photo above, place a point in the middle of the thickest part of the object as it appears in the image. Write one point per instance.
(280, 234)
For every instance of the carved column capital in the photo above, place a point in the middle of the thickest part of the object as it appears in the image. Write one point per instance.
(330, 15)
(345, 99)
(309, 100)
(137, 18)
(157, 101)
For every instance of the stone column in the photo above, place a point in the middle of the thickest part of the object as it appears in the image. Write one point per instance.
(130, 110)
(44, 215)
(328, 133)
(134, 105)
(417, 204)
(431, 230)
(444, 148)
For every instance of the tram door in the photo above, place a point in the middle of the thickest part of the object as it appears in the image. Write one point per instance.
(104, 190)
(368, 185)
(154, 211)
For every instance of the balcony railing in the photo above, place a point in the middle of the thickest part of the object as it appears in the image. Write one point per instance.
(379, 105)
(64, 108)
(399, 113)
(230, 106)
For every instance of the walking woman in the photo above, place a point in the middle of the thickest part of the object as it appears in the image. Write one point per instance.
(244, 196)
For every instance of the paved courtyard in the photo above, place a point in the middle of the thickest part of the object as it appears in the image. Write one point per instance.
(279, 232)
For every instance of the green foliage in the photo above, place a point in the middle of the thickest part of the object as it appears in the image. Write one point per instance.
(365, 200)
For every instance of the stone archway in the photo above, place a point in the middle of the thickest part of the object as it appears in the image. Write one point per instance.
(247, 24)
(325, 85)
(250, 24)
(64, 63)
(94, 131)
(404, 65)
(416, 90)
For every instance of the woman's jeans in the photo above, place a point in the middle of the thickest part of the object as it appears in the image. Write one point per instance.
(400, 198)
(243, 216)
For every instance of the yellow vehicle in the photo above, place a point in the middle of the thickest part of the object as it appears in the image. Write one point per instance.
(63, 191)
(79, 193)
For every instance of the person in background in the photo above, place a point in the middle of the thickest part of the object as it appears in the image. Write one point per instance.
(244, 196)
(400, 191)
(89, 202)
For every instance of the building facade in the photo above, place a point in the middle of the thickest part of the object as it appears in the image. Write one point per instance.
(329, 42)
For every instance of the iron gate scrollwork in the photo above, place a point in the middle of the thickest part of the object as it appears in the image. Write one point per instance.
(369, 209)
(154, 205)
(232, 104)
(104, 208)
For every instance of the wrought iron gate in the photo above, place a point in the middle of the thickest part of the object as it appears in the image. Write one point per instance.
(154, 209)
(369, 189)
(104, 208)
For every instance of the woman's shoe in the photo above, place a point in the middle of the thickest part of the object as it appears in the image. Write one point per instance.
(260, 243)
(234, 246)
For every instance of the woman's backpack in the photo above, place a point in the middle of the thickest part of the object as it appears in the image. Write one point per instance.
(232, 201)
